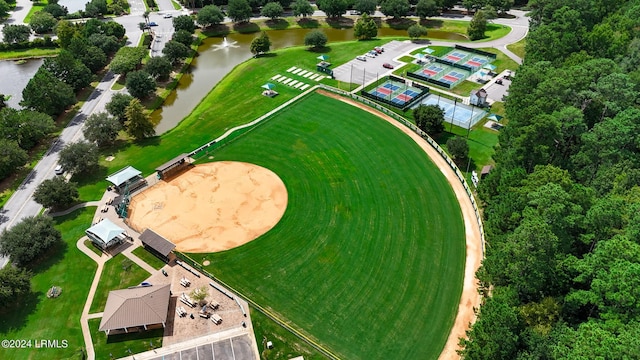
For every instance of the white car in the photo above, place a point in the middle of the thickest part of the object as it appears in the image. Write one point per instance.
(361, 58)
(370, 55)
(167, 16)
(58, 170)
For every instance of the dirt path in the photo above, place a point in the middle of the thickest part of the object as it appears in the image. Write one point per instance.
(470, 297)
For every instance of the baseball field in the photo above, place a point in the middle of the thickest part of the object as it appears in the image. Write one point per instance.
(368, 258)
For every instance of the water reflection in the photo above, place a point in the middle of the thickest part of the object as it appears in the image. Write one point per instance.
(15, 78)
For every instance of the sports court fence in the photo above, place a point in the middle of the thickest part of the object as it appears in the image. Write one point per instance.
(454, 64)
(476, 51)
(265, 312)
(429, 140)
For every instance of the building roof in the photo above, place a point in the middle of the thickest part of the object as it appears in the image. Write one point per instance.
(105, 230)
(123, 175)
(171, 162)
(157, 242)
(486, 169)
(136, 307)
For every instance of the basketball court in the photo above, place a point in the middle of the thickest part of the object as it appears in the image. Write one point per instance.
(211, 207)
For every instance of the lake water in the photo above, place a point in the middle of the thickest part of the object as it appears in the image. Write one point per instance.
(15, 78)
(73, 5)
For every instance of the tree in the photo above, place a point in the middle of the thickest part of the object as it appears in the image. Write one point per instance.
(94, 58)
(175, 51)
(315, 39)
(58, 11)
(107, 43)
(96, 8)
(261, 44)
(395, 8)
(477, 26)
(333, 8)
(416, 31)
(101, 128)
(11, 157)
(46, 94)
(56, 193)
(272, 10)
(29, 239)
(26, 127)
(429, 118)
(79, 157)
(127, 59)
(140, 84)
(365, 28)
(474, 5)
(138, 124)
(69, 70)
(112, 28)
(14, 284)
(184, 22)
(118, 105)
(210, 15)
(366, 6)
(158, 67)
(42, 22)
(427, 8)
(65, 31)
(302, 8)
(502, 5)
(183, 37)
(458, 148)
(239, 10)
(4, 8)
(15, 33)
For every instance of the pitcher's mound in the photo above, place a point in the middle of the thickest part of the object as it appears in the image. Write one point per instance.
(212, 207)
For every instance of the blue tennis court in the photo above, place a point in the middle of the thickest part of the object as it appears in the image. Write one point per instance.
(411, 93)
(391, 86)
(455, 112)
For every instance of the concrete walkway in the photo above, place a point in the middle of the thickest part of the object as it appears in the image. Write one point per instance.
(74, 208)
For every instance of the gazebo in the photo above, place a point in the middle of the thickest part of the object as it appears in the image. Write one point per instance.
(135, 309)
(128, 178)
(106, 234)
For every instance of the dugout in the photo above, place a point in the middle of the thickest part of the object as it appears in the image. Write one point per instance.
(174, 166)
(156, 244)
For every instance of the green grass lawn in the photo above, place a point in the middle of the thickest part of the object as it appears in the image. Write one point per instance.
(37, 6)
(39, 317)
(28, 53)
(285, 344)
(368, 258)
(118, 273)
(93, 247)
(518, 48)
(117, 345)
(149, 258)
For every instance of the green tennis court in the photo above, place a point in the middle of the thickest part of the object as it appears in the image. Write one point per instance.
(368, 258)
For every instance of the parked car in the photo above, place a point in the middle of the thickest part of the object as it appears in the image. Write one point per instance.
(370, 55)
(373, 52)
(355, 12)
(167, 16)
(379, 49)
(58, 170)
(153, 23)
(361, 58)
(387, 66)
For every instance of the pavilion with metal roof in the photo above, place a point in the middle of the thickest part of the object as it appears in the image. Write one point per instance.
(135, 309)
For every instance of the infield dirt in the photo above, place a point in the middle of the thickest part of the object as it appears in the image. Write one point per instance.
(212, 207)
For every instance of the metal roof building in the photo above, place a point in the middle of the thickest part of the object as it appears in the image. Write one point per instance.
(131, 309)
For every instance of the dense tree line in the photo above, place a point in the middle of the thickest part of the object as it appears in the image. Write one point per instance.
(562, 269)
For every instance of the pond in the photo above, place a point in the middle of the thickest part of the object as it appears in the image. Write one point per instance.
(73, 5)
(215, 61)
(17, 76)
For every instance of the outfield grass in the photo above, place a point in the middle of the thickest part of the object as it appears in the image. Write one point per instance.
(285, 344)
(39, 317)
(117, 273)
(149, 258)
(117, 345)
(368, 258)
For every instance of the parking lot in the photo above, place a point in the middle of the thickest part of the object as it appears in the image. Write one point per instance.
(361, 72)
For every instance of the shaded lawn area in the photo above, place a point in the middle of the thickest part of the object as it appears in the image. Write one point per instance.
(518, 48)
(93, 247)
(149, 258)
(223, 108)
(285, 344)
(354, 269)
(117, 273)
(118, 345)
(38, 317)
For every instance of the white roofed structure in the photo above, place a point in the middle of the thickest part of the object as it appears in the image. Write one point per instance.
(106, 234)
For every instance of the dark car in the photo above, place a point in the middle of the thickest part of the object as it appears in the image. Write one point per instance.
(387, 66)
(153, 23)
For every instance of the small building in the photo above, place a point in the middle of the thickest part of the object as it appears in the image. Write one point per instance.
(136, 309)
(156, 244)
(485, 171)
(127, 179)
(174, 166)
(106, 234)
(478, 97)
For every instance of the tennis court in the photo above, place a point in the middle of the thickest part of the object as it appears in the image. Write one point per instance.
(432, 70)
(473, 61)
(395, 92)
(456, 55)
(455, 112)
(453, 77)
